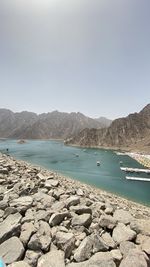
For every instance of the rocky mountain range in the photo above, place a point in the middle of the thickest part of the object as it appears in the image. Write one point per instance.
(57, 125)
(131, 132)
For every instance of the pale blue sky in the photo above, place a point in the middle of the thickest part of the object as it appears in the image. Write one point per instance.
(91, 56)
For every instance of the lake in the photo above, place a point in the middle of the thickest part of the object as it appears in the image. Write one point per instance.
(81, 164)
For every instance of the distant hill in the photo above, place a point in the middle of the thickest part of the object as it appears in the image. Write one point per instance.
(131, 132)
(104, 122)
(28, 125)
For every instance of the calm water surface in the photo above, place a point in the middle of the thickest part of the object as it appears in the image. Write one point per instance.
(55, 156)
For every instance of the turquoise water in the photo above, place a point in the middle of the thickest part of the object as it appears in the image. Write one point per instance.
(55, 156)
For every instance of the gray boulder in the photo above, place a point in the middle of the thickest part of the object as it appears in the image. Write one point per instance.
(123, 233)
(27, 229)
(19, 264)
(72, 201)
(135, 258)
(126, 246)
(98, 244)
(51, 183)
(141, 226)
(54, 258)
(65, 242)
(84, 251)
(57, 218)
(84, 219)
(22, 203)
(10, 226)
(107, 221)
(123, 216)
(31, 257)
(12, 250)
(146, 246)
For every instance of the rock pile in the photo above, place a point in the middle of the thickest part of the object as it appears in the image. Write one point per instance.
(47, 220)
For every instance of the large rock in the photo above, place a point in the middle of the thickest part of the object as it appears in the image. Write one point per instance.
(27, 230)
(72, 201)
(123, 216)
(100, 259)
(123, 233)
(146, 246)
(43, 200)
(54, 258)
(12, 250)
(31, 257)
(135, 258)
(41, 240)
(51, 183)
(84, 219)
(57, 218)
(141, 226)
(19, 264)
(126, 246)
(10, 226)
(84, 251)
(22, 203)
(81, 209)
(65, 242)
(108, 240)
(98, 244)
(107, 221)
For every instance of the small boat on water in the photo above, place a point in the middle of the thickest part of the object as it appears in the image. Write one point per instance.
(98, 163)
(77, 155)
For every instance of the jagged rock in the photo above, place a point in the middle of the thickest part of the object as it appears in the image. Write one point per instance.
(54, 258)
(135, 258)
(72, 201)
(43, 215)
(84, 219)
(51, 183)
(65, 242)
(57, 218)
(126, 246)
(84, 251)
(140, 239)
(27, 229)
(22, 203)
(141, 226)
(146, 246)
(45, 200)
(3, 204)
(9, 210)
(10, 226)
(41, 240)
(123, 216)
(11, 250)
(31, 257)
(81, 209)
(116, 255)
(58, 206)
(80, 192)
(107, 221)
(98, 244)
(123, 233)
(19, 264)
(100, 259)
(108, 240)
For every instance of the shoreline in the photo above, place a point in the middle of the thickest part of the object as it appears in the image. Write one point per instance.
(116, 199)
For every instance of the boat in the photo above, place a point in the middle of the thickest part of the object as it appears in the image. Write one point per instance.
(98, 163)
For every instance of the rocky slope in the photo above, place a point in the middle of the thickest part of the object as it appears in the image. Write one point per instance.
(132, 132)
(47, 220)
(28, 125)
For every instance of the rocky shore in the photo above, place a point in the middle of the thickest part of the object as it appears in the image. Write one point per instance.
(47, 220)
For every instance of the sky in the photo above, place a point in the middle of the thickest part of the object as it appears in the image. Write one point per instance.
(89, 56)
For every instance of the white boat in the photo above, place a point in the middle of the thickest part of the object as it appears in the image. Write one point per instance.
(98, 163)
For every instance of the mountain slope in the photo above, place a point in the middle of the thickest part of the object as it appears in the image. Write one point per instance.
(130, 132)
(28, 125)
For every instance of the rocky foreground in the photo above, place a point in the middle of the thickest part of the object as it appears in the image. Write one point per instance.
(47, 220)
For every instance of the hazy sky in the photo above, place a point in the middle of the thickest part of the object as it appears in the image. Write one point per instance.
(91, 56)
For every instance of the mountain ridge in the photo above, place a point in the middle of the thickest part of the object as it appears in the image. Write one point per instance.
(129, 133)
(51, 125)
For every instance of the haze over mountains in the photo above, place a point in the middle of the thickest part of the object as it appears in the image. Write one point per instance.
(57, 125)
(131, 132)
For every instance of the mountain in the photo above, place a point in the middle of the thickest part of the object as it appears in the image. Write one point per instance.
(28, 125)
(104, 122)
(131, 132)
